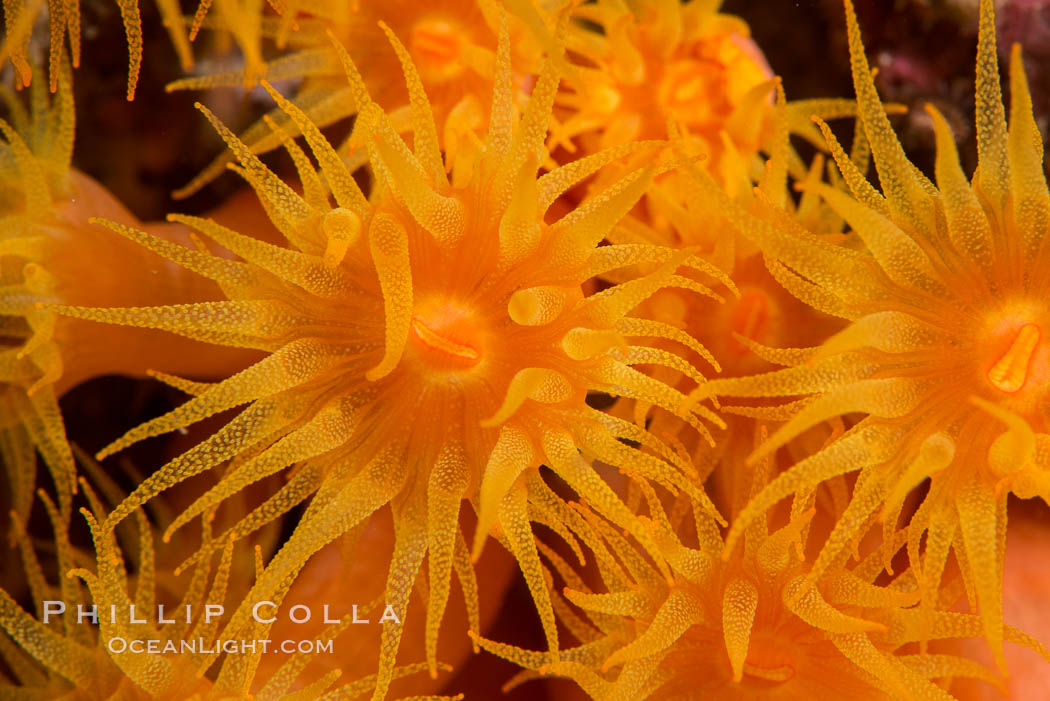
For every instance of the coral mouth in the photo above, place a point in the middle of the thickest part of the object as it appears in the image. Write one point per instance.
(691, 84)
(751, 318)
(1011, 372)
(437, 44)
(444, 345)
(769, 674)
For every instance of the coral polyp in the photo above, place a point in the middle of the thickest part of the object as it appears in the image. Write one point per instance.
(37, 150)
(947, 299)
(747, 625)
(544, 329)
(64, 25)
(45, 205)
(122, 588)
(642, 64)
(457, 305)
(642, 68)
(452, 43)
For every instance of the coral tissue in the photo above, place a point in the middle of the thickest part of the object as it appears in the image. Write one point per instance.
(744, 395)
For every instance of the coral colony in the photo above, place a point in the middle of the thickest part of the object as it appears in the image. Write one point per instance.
(561, 297)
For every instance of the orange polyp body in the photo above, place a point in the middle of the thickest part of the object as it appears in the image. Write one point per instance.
(694, 91)
(444, 345)
(750, 318)
(447, 335)
(696, 79)
(770, 674)
(437, 46)
(770, 653)
(605, 99)
(1011, 372)
(694, 87)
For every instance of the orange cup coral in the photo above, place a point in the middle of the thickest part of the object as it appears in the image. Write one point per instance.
(451, 42)
(947, 299)
(746, 624)
(457, 305)
(46, 239)
(498, 288)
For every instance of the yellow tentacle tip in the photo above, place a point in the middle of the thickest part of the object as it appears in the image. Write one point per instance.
(341, 228)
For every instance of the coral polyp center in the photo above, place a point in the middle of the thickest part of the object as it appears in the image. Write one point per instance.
(690, 86)
(1014, 368)
(751, 316)
(769, 659)
(447, 336)
(437, 45)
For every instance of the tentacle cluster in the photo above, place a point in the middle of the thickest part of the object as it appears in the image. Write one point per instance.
(35, 156)
(946, 294)
(119, 586)
(452, 42)
(541, 208)
(455, 304)
(45, 239)
(641, 66)
(64, 25)
(746, 625)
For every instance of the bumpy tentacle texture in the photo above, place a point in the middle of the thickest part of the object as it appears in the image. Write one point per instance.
(35, 153)
(946, 354)
(22, 16)
(429, 344)
(111, 629)
(641, 65)
(453, 43)
(761, 313)
(45, 239)
(747, 626)
(688, 72)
